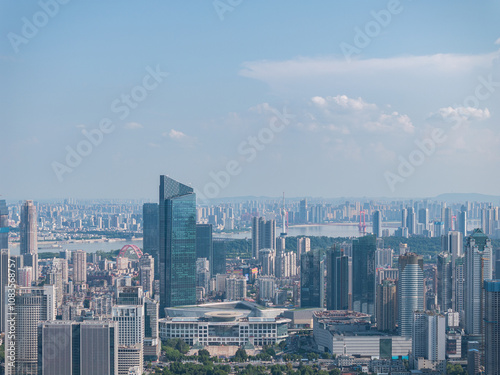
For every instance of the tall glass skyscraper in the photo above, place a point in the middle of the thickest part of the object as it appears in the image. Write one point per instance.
(363, 274)
(311, 280)
(177, 244)
(492, 326)
(150, 233)
(410, 290)
(28, 232)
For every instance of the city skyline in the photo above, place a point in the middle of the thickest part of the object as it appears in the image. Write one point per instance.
(354, 94)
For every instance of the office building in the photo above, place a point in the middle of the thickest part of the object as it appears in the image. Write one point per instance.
(177, 244)
(31, 305)
(363, 274)
(423, 217)
(311, 280)
(303, 212)
(79, 267)
(151, 233)
(492, 327)
(204, 243)
(28, 233)
(410, 290)
(444, 281)
(218, 266)
(448, 224)
(263, 235)
(387, 307)
(478, 267)
(462, 222)
(377, 223)
(78, 348)
(337, 279)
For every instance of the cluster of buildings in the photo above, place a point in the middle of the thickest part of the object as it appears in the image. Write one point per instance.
(370, 305)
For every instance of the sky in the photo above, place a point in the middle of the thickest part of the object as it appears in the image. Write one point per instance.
(238, 97)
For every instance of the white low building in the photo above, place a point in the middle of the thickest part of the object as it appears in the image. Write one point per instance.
(225, 328)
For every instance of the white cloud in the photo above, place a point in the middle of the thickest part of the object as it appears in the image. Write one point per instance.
(310, 67)
(175, 134)
(463, 113)
(497, 41)
(80, 126)
(345, 115)
(133, 126)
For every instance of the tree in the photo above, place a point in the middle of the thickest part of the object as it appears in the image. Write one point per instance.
(241, 355)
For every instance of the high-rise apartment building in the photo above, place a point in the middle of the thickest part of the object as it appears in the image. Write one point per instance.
(236, 288)
(363, 274)
(78, 348)
(387, 307)
(130, 320)
(410, 290)
(492, 326)
(303, 247)
(478, 267)
(79, 267)
(177, 244)
(151, 233)
(28, 233)
(146, 273)
(429, 337)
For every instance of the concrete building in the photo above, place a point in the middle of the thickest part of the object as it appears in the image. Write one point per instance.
(387, 307)
(236, 288)
(79, 267)
(28, 232)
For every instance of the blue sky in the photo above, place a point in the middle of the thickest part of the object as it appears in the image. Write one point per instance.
(354, 119)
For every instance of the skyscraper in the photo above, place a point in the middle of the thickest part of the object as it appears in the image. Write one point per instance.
(462, 222)
(303, 212)
(84, 348)
(337, 280)
(448, 225)
(377, 223)
(204, 242)
(263, 235)
(478, 267)
(151, 233)
(363, 274)
(4, 225)
(31, 305)
(28, 233)
(387, 307)
(429, 337)
(79, 266)
(130, 319)
(218, 266)
(423, 217)
(492, 326)
(444, 281)
(236, 288)
(410, 290)
(311, 280)
(177, 244)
